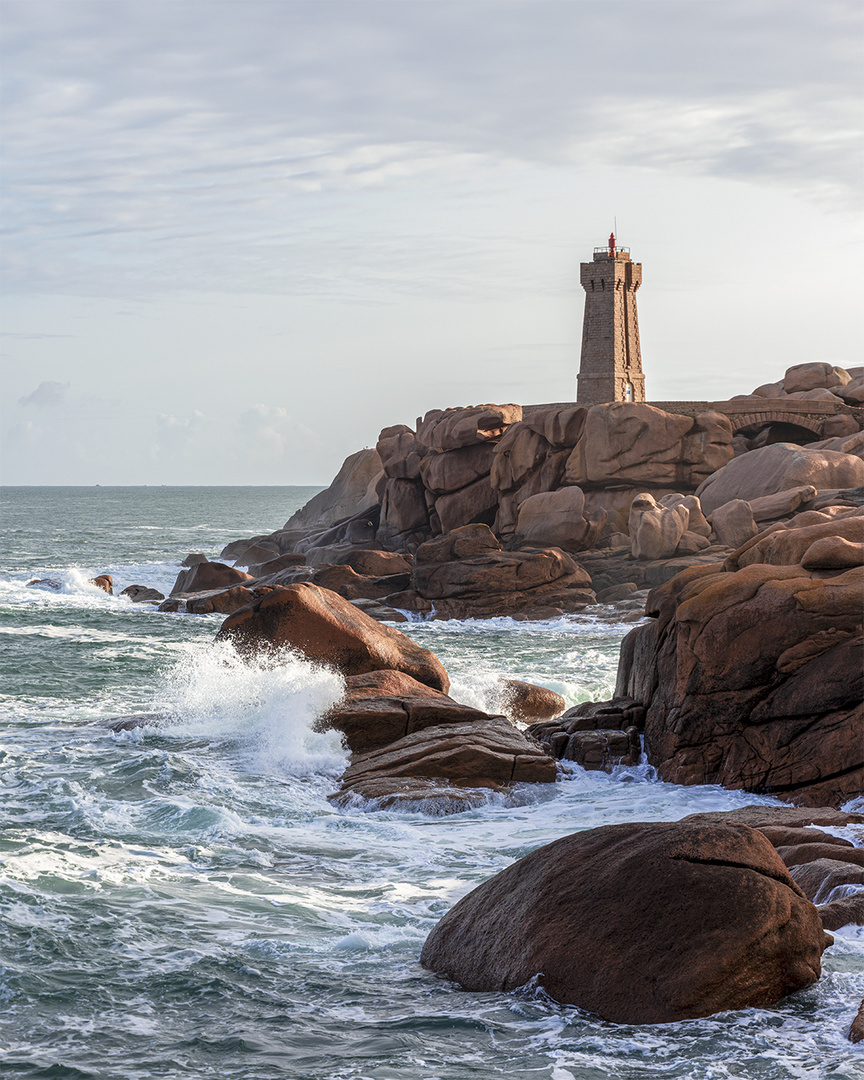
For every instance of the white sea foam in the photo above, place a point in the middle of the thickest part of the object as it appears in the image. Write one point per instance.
(269, 707)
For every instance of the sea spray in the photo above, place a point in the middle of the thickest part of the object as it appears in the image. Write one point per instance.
(269, 707)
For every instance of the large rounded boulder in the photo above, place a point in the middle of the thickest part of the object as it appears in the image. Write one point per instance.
(779, 467)
(639, 923)
(324, 627)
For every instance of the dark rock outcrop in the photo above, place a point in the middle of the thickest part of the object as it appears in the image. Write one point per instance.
(752, 678)
(207, 576)
(596, 734)
(140, 594)
(721, 924)
(465, 574)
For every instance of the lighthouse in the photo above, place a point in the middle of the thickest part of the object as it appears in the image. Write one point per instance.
(611, 364)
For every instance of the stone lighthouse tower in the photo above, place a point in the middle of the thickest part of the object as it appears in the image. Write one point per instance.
(611, 365)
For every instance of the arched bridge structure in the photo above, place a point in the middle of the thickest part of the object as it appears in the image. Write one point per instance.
(757, 412)
(751, 412)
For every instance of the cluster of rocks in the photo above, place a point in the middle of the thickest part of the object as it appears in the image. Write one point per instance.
(411, 744)
(817, 382)
(138, 594)
(463, 574)
(726, 903)
(750, 672)
(723, 903)
(635, 492)
(556, 476)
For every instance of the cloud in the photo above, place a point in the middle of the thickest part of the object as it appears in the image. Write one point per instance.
(269, 433)
(46, 394)
(211, 145)
(175, 436)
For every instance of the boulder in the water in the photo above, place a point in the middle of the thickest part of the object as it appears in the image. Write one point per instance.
(527, 702)
(206, 576)
(641, 923)
(324, 627)
(141, 594)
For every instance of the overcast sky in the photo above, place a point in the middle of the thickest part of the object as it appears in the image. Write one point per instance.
(241, 237)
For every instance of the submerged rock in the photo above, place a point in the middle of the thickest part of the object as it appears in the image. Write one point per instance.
(640, 923)
(856, 1031)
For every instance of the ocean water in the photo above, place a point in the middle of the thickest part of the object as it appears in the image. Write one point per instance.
(182, 900)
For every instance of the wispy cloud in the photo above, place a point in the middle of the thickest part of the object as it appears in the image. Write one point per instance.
(46, 394)
(206, 138)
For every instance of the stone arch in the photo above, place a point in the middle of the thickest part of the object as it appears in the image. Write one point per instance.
(741, 421)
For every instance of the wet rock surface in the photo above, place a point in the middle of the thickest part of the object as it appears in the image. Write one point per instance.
(721, 923)
(415, 747)
(524, 701)
(485, 752)
(141, 594)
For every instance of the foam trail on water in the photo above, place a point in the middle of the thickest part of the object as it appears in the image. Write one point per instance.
(270, 707)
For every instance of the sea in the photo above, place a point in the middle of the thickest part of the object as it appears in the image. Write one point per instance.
(182, 900)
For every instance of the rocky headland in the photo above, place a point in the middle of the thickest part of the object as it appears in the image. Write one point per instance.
(737, 550)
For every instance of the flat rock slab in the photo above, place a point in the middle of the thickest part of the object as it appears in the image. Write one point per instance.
(435, 797)
(373, 722)
(640, 923)
(486, 753)
(791, 817)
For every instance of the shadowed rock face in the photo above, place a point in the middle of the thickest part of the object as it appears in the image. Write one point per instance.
(207, 576)
(487, 751)
(753, 679)
(640, 923)
(324, 627)
(465, 574)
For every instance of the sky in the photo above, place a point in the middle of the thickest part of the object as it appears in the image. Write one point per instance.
(241, 237)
